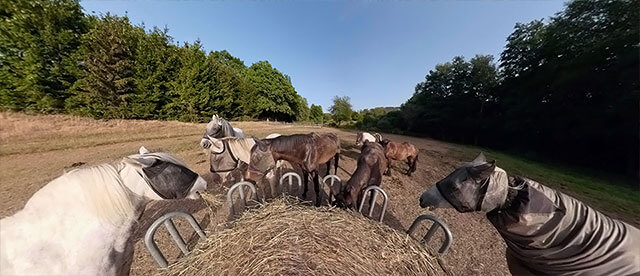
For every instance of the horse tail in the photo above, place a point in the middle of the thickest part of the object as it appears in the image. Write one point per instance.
(335, 163)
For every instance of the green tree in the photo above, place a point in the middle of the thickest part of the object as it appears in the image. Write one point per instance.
(341, 109)
(191, 88)
(574, 75)
(450, 102)
(155, 64)
(316, 115)
(326, 118)
(37, 39)
(228, 59)
(106, 84)
(302, 109)
(274, 95)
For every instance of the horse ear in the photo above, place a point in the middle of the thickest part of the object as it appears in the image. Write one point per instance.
(143, 150)
(259, 143)
(482, 171)
(479, 159)
(145, 162)
(214, 117)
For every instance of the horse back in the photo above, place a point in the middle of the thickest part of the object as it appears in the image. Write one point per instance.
(326, 145)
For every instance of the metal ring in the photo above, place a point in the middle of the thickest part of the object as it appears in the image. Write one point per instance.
(240, 187)
(177, 238)
(374, 190)
(289, 176)
(333, 179)
(432, 230)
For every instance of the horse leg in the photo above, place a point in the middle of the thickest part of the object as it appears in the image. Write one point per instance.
(305, 180)
(360, 198)
(335, 163)
(413, 166)
(317, 187)
(388, 172)
(372, 203)
(328, 167)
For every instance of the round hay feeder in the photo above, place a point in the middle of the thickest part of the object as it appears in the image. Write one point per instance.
(285, 237)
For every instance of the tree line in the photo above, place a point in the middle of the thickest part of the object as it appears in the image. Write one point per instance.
(56, 59)
(565, 88)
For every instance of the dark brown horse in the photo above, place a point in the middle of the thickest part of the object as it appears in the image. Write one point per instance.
(400, 151)
(371, 165)
(308, 151)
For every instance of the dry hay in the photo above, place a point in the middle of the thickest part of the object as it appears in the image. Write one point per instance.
(285, 237)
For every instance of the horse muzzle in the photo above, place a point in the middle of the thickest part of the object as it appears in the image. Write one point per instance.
(432, 199)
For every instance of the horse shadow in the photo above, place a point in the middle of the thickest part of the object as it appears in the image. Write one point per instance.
(348, 145)
(353, 154)
(389, 218)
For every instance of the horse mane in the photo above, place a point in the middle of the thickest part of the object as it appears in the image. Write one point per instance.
(104, 192)
(240, 147)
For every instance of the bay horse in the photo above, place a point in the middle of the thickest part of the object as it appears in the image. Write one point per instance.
(308, 151)
(546, 231)
(81, 222)
(219, 128)
(371, 164)
(400, 151)
(361, 137)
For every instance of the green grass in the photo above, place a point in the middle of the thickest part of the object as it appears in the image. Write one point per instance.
(609, 193)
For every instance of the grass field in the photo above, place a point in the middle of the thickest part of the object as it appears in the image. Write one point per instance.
(34, 149)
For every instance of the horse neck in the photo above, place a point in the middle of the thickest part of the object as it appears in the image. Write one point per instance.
(241, 148)
(358, 179)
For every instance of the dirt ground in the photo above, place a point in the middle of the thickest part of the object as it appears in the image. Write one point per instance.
(36, 149)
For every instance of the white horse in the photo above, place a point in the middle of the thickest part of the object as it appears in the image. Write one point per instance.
(361, 137)
(219, 128)
(81, 222)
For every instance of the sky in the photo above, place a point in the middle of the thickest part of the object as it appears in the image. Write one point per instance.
(375, 52)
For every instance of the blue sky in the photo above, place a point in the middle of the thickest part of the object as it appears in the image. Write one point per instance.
(372, 51)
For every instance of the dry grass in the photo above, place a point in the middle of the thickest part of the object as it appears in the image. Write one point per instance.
(285, 237)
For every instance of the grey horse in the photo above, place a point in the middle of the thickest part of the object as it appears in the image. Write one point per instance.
(546, 231)
(219, 128)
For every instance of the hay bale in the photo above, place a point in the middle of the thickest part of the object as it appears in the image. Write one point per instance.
(285, 237)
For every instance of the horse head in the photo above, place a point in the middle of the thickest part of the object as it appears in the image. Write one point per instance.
(261, 160)
(359, 138)
(164, 176)
(476, 186)
(384, 142)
